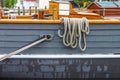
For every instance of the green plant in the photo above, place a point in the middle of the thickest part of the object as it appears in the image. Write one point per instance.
(80, 3)
(9, 3)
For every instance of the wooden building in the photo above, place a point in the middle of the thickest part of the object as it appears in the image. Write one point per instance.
(105, 8)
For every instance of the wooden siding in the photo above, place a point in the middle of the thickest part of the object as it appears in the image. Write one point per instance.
(103, 39)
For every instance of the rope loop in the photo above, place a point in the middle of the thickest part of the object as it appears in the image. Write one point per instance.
(74, 32)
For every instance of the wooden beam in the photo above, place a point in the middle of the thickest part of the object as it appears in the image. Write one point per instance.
(30, 21)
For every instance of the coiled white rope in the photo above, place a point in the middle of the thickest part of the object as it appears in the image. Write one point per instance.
(75, 30)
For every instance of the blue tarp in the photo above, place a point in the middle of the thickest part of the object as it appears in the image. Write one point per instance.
(117, 3)
(107, 4)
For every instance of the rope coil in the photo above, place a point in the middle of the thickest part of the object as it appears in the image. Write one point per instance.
(75, 31)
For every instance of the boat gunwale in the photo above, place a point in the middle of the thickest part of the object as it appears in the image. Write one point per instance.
(35, 21)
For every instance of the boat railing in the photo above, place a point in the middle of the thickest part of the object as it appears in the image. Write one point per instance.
(21, 11)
